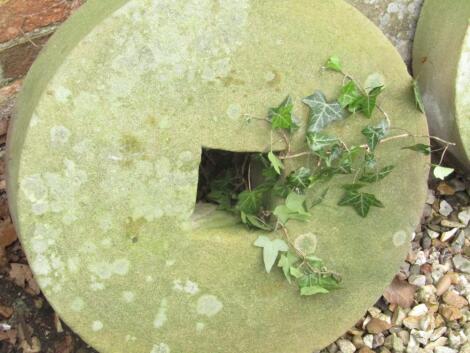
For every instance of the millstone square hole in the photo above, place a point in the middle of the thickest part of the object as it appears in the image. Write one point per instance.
(223, 175)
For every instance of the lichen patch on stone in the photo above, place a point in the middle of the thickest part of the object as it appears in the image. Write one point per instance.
(77, 304)
(209, 305)
(128, 296)
(160, 348)
(97, 326)
(161, 317)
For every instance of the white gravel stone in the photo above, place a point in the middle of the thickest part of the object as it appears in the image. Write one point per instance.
(449, 234)
(418, 310)
(462, 263)
(445, 208)
(444, 349)
(345, 346)
(417, 280)
(432, 234)
(464, 216)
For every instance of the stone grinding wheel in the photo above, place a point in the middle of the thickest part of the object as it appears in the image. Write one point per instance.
(441, 63)
(103, 167)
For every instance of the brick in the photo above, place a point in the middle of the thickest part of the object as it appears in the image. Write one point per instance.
(18, 17)
(16, 61)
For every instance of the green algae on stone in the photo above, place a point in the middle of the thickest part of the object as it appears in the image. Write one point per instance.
(441, 64)
(103, 171)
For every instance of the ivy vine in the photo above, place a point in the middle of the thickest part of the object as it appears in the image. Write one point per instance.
(332, 156)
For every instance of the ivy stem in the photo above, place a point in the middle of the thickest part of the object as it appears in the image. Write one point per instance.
(302, 154)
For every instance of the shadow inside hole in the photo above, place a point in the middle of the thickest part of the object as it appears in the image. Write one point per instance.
(218, 166)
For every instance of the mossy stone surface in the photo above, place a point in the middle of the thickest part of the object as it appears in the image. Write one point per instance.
(103, 168)
(441, 62)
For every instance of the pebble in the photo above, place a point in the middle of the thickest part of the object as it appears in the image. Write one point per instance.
(418, 310)
(450, 313)
(445, 208)
(366, 349)
(461, 263)
(442, 341)
(443, 284)
(430, 197)
(357, 341)
(454, 299)
(332, 348)
(451, 224)
(420, 258)
(398, 316)
(397, 344)
(444, 349)
(417, 280)
(465, 348)
(345, 346)
(445, 189)
(449, 234)
(438, 333)
(464, 216)
(432, 234)
(377, 326)
(378, 341)
(368, 340)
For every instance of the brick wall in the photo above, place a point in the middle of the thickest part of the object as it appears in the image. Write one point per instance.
(25, 26)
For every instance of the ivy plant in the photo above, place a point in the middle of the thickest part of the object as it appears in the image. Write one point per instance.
(254, 205)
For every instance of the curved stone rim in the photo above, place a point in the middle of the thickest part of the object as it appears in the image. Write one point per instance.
(438, 64)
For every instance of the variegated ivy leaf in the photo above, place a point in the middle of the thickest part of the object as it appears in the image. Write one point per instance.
(322, 113)
(319, 140)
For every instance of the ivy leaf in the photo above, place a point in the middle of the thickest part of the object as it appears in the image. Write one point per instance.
(249, 202)
(310, 285)
(318, 140)
(221, 191)
(374, 81)
(418, 97)
(360, 201)
(294, 209)
(287, 262)
(374, 135)
(352, 187)
(349, 94)
(282, 117)
(296, 202)
(420, 147)
(312, 290)
(369, 102)
(329, 282)
(442, 172)
(319, 199)
(373, 177)
(334, 63)
(275, 162)
(271, 250)
(299, 179)
(256, 222)
(322, 113)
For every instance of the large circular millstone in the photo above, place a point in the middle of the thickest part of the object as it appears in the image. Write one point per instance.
(103, 169)
(441, 63)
